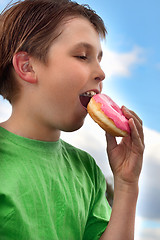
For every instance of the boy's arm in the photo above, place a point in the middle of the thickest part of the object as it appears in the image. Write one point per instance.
(121, 224)
(126, 163)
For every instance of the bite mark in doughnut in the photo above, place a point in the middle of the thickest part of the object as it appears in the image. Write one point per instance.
(108, 115)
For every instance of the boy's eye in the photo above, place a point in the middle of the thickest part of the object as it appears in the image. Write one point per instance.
(82, 57)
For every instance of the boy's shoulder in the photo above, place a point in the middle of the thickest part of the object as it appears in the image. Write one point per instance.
(82, 159)
(75, 150)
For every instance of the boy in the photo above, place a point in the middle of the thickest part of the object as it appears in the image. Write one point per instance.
(50, 56)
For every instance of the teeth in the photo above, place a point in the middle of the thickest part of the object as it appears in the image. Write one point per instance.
(89, 94)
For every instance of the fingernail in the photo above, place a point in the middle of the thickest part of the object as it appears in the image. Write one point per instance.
(125, 108)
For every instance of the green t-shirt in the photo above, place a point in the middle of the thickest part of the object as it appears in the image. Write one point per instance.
(49, 191)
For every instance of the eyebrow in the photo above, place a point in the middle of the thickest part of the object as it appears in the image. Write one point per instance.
(88, 46)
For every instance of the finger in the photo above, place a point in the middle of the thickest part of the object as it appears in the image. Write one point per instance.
(129, 113)
(136, 138)
(111, 142)
(139, 128)
(137, 121)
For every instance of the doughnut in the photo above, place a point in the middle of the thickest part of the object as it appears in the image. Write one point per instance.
(104, 111)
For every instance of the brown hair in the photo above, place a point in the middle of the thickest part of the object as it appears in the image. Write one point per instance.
(31, 26)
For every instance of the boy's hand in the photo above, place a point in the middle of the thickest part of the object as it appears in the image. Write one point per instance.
(126, 157)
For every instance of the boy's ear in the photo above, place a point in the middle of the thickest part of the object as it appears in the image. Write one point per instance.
(23, 66)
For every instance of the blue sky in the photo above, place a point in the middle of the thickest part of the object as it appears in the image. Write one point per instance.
(132, 66)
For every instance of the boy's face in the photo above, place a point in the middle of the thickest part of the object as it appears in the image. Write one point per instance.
(73, 68)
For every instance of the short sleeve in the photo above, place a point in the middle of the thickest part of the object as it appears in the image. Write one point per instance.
(99, 214)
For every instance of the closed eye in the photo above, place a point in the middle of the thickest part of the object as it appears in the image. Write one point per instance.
(82, 57)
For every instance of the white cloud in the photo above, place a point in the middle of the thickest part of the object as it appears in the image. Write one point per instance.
(149, 180)
(152, 142)
(149, 194)
(150, 234)
(146, 229)
(5, 109)
(121, 63)
(4, 2)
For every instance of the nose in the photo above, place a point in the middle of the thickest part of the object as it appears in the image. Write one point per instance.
(99, 74)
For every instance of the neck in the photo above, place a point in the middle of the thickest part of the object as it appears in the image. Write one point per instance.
(28, 129)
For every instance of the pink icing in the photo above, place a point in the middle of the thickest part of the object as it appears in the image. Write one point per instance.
(113, 111)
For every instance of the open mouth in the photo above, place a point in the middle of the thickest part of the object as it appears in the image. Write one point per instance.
(85, 97)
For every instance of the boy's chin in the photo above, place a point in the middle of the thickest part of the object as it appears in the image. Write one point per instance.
(73, 127)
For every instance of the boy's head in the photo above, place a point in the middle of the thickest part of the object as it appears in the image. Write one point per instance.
(32, 26)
